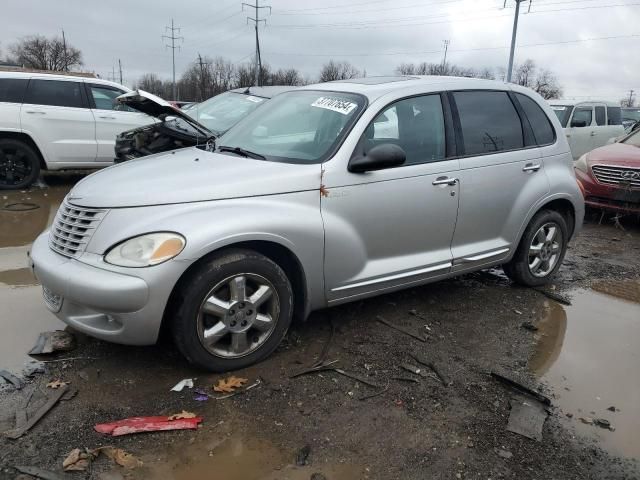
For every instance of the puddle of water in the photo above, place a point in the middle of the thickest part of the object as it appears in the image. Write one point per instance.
(23, 314)
(589, 353)
(237, 458)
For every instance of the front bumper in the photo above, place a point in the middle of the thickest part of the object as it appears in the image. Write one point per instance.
(114, 306)
(608, 197)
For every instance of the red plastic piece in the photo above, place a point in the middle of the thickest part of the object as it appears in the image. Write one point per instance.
(146, 424)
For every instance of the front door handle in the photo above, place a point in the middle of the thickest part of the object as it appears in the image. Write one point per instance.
(36, 111)
(106, 117)
(445, 181)
(530, 167)
(593, 134)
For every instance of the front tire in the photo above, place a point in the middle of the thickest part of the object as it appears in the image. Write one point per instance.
(19, 165)
(540, 251)
(233, 311)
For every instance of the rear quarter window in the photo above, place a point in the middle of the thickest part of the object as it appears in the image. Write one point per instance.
(57, 93)
(12, 89)
(540, 124)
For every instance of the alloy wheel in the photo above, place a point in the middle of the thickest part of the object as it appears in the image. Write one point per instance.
(15, 166)
(545, 249)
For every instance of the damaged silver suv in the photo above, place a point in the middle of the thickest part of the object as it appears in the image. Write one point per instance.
(325, 195)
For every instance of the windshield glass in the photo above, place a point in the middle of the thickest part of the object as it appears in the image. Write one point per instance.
(633, 139)
(223, 111)
(563, 113)
(631, 114)
(297, 127)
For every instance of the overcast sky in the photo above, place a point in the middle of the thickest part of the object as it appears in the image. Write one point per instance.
(376, 35)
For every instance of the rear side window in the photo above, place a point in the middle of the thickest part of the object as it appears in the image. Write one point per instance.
(489, 121)
(615, 115)
(582, 117)
(12, 89)
(540, 124)
(58, 93)
(601, 116)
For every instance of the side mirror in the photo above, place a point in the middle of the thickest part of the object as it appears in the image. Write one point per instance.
(579, 123)
(382, 156)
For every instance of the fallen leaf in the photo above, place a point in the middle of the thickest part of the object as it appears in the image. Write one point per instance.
(56, 384)
(77, 461)
(181, 415)
(122, 458)
(230, 384)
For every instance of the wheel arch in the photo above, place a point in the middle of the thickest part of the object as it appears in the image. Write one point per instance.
(26, 138)
(565, 208)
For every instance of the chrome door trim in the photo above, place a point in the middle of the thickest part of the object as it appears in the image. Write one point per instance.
(398, 276)
(483, 256)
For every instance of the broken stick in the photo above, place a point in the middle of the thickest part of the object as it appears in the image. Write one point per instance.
(401, 329)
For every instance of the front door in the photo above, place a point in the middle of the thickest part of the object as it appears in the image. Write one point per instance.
(581, 131)
(391, 228)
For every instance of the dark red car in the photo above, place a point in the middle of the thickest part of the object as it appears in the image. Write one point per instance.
(609, 176)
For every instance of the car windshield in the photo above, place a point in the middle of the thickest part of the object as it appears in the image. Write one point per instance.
(223, 111)
(633, 139)
(563, 113)
(296, 127)
(631, 114)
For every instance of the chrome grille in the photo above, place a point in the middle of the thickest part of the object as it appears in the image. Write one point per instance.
(72, 228)
(53, 301)
(618, 176)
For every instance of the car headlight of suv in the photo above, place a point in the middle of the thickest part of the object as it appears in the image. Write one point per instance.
(146, 250)
(581, 163)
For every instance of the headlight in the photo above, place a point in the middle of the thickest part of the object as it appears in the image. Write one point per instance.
(581, 163)
(146, 250)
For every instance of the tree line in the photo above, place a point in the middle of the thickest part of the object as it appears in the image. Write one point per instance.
(206, 76)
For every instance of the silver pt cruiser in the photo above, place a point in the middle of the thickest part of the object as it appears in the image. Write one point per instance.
(328, 194)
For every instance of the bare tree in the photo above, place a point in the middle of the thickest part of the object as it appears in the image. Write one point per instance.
(338, 71)
(150, 82)
(542, 81)
(446, 69)
(43, 53)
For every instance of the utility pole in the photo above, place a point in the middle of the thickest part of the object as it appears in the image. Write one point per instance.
(203, 84)
(173, 47)
(64, 50)
(113, 73)
(631, 92)
(120, 68)
(513, 37)
(444, 60)
(256, 20)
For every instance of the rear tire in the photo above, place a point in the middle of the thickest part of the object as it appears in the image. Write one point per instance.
(233, 311)
(540, 251)
(19, 164)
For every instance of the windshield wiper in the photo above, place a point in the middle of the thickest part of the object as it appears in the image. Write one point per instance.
(242, 152)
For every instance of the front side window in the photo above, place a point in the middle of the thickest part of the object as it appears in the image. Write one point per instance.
(57, 93)
(223, 111)
(303, 126)
(582, 117)
(415, 124)
(489, 121)
(105, 98)
(563, 112)
(614, 115)
(540, 124)
(12, 89)
(601, 116)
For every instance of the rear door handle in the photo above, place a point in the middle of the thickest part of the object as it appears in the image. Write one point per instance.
(39, 112)
(593, 134)
(106, 117)
(445, 181)
(530, 167)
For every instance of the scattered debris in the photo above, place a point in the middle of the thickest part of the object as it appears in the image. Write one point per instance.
(375, 394)
(322, 367)
(517, 312)
(529, 326)
(521, 388)
(122, 458)
(553, 296)
(401, 329)
(325, 350)
(56, 341)
(527, 417)
(417, 371)
(318, 476)
(178, 387)
(406, 379)
(586, 420)
(79, 460)
(41, 412)
(240, 392)
(327, 367)
(55, 384)
(182, 415)
(201, 395)
(229, 385)
(40, 473)
(504, 453)
(302, 456)
(613, 409)
(146, 424)
(12, 379)
(422, 361)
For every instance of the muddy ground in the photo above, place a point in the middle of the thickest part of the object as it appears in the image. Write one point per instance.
(584, 356)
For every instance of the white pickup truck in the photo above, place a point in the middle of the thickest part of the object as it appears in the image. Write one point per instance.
(588, 125)
(57, 122)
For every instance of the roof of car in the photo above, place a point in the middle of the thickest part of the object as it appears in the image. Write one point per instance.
(573, 103)
(374, 87)
(266, 92)
(58, 76)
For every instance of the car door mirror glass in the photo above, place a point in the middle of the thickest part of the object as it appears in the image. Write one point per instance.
(386, 155)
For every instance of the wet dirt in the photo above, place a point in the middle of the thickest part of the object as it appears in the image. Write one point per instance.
(589, 354)
(22, 313)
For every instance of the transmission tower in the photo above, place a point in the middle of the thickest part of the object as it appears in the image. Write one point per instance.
(173, 29)
(256, 20)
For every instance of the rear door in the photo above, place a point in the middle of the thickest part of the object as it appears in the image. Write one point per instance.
(501, 176)
(111, 118)
(55, 113)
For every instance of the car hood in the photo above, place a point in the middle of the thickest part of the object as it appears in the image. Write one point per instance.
(154, 106)
(616, 154)
(190, 175)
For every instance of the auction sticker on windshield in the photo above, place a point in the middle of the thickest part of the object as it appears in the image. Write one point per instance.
(335, 104)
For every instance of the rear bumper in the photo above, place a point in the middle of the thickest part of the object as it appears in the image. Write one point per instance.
(105, 304)
(608, 197)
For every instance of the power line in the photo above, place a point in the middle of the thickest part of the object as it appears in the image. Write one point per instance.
(173, 47)
(256, 20)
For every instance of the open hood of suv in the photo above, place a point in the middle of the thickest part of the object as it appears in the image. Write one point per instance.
(190, 175)
(154, 106)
